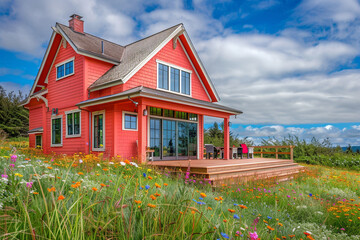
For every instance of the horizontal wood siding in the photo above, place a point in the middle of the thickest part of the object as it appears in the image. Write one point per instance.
(147, 75)
(35, 117)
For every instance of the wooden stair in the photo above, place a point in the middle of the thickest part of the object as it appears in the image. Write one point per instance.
(232, 171)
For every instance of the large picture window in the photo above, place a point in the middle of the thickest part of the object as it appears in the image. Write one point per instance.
(56, 131)
(73, 124)
(174, 79)
(65, 69)
(98, 131)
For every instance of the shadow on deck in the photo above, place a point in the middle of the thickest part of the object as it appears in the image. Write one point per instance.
(233, 171)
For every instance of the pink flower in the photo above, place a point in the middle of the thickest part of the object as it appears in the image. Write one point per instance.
(13, 158)
(253, 236)
(12, 165)
(29, 184)
(4, 175)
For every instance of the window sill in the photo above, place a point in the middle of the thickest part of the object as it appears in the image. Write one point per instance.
(56, 145)
(98, 149)
(128, 129)
(73, 136)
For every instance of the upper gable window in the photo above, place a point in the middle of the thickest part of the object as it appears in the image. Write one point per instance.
(65, 69)
(173, 78)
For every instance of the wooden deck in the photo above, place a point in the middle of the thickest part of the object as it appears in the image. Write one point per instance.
(235, 170)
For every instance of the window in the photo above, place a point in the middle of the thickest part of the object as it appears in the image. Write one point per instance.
(185, 82)
(176, 80)
(129, 121)
(38, 141)
(73, 124)
(56, 133)
(65, 69)
(98, 131)
(163, 76)
(173, 114)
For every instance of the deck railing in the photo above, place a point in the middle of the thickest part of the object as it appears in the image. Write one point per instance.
(276, 152)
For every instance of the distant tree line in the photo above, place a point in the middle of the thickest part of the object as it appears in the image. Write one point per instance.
(14, 119)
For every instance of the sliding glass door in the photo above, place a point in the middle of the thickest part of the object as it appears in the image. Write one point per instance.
(173, 139)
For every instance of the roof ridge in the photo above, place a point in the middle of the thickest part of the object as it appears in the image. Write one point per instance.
(86, 33)
(153, 34)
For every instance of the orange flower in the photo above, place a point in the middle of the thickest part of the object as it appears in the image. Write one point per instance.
(126, 161)
(152, 197)
(151, 205)
(270, 228)
(181, 212)
(165, 184)
(80, 173)
(105, 169)
(61, 197)
(231, 210)
(52, 189)
(203, 195)
(224, 220)
(157, 194)
(209, 208)
(217, 199)
(149, 177)
(157, 185)
(137, 201)
(49, 168)
(76, 185)
(35, 193)
(102, 185)
(94, 189)
(243, 206)
(27, 159)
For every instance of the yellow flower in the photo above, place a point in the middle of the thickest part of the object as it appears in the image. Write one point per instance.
(18, 175)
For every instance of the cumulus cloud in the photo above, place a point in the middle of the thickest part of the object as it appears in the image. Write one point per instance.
(337, 136)
(15, 87)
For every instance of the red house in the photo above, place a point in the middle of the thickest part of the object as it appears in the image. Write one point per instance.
(93, 95)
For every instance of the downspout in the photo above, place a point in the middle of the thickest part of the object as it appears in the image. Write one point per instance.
(81, 109)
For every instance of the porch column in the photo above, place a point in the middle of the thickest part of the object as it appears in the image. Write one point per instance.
(201, 137)
(142, 130)
(226, 138)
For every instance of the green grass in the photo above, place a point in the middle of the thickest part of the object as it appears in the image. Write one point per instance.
(308, 203)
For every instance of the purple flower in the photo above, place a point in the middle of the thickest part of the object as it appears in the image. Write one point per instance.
(29, 184)
(12, 165)
(288, 196)
(13, 158)
(144, 174)
(253, 236)
(224, 235)
(4, 175)
(236, 216)
(147, 187)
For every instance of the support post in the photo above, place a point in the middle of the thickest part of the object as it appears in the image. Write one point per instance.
(276, 150)
(201, 137)
(226, 138)
(142, 130)
(45, 141)
(292, 153)
(261, 150)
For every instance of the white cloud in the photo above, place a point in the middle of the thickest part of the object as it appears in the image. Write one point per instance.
(337, 136)
(15, 87)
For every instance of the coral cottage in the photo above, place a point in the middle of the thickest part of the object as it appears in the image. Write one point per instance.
(93, 95)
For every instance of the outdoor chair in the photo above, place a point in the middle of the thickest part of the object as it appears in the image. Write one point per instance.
(251, 151)
(210, 151)
(235, 154)
(244, 150)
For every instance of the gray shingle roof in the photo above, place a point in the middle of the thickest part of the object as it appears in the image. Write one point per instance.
(90, 44)
(133, 55)
(149, 92)
(36, 130)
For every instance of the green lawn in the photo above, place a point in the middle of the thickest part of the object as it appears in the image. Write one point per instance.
(87, 197)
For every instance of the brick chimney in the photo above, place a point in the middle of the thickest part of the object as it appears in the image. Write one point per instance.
(76, 24)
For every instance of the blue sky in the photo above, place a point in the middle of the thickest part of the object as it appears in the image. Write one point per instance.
(291, 66)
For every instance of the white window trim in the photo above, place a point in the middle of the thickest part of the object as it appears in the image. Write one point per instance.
(169, 78)
(61, 131)
(123, 121)
(92, 131)
(66, 123)
(63, 63)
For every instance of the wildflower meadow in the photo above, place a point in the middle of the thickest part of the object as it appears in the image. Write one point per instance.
(89, 197)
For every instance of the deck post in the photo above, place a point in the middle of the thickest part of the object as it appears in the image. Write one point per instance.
(277, 155)
(226, 138)
(142, 130)
(292, 153)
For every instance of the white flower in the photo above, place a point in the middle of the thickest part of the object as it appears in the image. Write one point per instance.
(122, 163)
(98, 165)
(21, 166)
(134, 164)
(80, 161)
(111, 163)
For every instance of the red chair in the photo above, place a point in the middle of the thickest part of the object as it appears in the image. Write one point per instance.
(244, 150)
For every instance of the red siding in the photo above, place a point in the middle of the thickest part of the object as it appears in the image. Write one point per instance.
(35, 117)
(147, 75)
